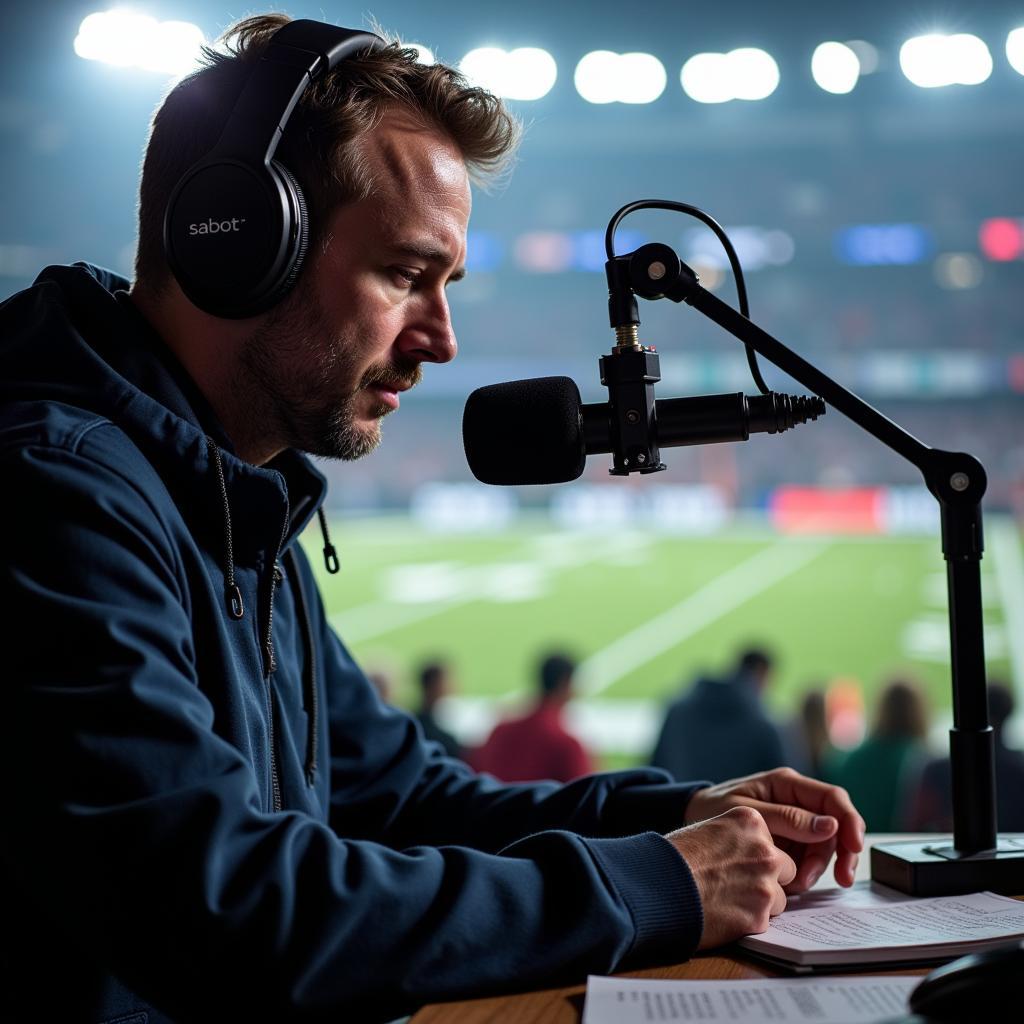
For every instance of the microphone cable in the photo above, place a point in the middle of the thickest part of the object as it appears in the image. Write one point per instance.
(730, 251)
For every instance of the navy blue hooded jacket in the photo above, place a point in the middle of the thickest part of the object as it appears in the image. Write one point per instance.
(719, 730)
(209, 813)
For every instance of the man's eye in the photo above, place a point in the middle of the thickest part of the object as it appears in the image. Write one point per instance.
(405, 275)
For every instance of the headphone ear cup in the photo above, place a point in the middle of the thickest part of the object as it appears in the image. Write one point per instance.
(297, 228)
(236, 235)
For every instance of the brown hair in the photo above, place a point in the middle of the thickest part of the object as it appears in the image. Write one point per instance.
(901, 711)
(320, 146)
(815, 728)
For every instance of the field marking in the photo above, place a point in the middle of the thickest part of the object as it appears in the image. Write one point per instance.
(376, 618)
(1008, 563)
(379, 617)
(722, 595)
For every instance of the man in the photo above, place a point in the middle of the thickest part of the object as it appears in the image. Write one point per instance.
(719, 728)
(435, 683)
(537, 745)
(209, 812)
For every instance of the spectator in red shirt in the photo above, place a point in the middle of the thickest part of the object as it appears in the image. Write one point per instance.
(538, 746)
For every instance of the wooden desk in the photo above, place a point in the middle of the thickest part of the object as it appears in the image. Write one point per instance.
(565, 1005)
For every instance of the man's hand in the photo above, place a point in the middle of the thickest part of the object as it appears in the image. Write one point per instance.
(739, 871)
(808, 819)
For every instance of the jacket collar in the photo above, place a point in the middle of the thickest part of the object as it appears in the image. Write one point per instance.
(114, 363)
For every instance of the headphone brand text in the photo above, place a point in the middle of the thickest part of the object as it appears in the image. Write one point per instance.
(216, 227)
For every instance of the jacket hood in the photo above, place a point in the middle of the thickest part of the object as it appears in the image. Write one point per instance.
(74, 344)
(99, 355)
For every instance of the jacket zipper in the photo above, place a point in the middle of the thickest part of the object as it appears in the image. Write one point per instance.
(310, 687)
(237, 610)
(270, 666)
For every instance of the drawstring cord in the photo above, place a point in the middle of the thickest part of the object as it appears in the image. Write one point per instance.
(236, 609)
(232, 594)
(330, 555)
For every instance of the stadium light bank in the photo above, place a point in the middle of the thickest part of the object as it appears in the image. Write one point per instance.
(129, 39)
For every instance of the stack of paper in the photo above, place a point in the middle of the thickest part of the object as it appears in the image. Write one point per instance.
(878, 926)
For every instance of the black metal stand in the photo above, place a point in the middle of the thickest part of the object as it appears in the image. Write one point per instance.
(974, 860)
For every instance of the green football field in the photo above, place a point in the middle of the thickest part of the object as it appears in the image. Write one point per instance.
(644, 612)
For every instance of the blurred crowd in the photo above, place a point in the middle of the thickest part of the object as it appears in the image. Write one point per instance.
(719, 727)
(532, 744)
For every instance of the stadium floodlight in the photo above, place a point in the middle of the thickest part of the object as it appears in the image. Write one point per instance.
(642, 78)
(705, 78)
(1015, 50)
(866, 53)
(127, 39)
(606, 77)
(111, 35)
(743, 74)
(936, 60)
(595, 76)
(483, 67)
(526, 73)
(173, 48)
(835, 67)
(754, 72)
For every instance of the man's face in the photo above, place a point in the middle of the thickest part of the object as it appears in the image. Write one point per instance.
(371, 307)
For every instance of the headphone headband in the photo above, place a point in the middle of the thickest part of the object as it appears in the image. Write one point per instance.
(236, 227)
(298, 53)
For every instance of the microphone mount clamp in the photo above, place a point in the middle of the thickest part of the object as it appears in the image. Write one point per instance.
(631, 369)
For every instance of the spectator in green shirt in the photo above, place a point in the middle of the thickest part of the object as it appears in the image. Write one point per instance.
(876, 773)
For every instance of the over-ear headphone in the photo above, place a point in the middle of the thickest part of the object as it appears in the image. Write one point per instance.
(236, 227)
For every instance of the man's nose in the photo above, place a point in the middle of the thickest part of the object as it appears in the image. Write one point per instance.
(431, 339)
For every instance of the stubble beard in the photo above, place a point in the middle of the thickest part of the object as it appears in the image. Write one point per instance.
(305, 387)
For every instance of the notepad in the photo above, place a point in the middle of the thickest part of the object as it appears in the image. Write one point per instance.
(877, 926)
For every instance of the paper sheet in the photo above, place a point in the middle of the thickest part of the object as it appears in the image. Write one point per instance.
(780, 1000)
(860, 894)
(920, 922)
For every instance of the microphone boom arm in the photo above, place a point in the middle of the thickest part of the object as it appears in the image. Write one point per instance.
(957, 481)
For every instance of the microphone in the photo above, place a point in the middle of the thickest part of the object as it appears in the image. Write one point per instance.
(538, 431)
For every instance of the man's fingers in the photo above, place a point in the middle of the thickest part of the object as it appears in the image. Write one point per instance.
(791, 822)
(812, 866)
(786, 867)
(794, 807)
(819, 817)
(778, 902)
(790, 787)
(851, 824)
(846, 867)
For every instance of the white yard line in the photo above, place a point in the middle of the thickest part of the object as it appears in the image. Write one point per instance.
(1008, 565)
(377, 618)
(722, 595)
(380, 617)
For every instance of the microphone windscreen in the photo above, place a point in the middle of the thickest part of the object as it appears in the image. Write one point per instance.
(525, 432)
